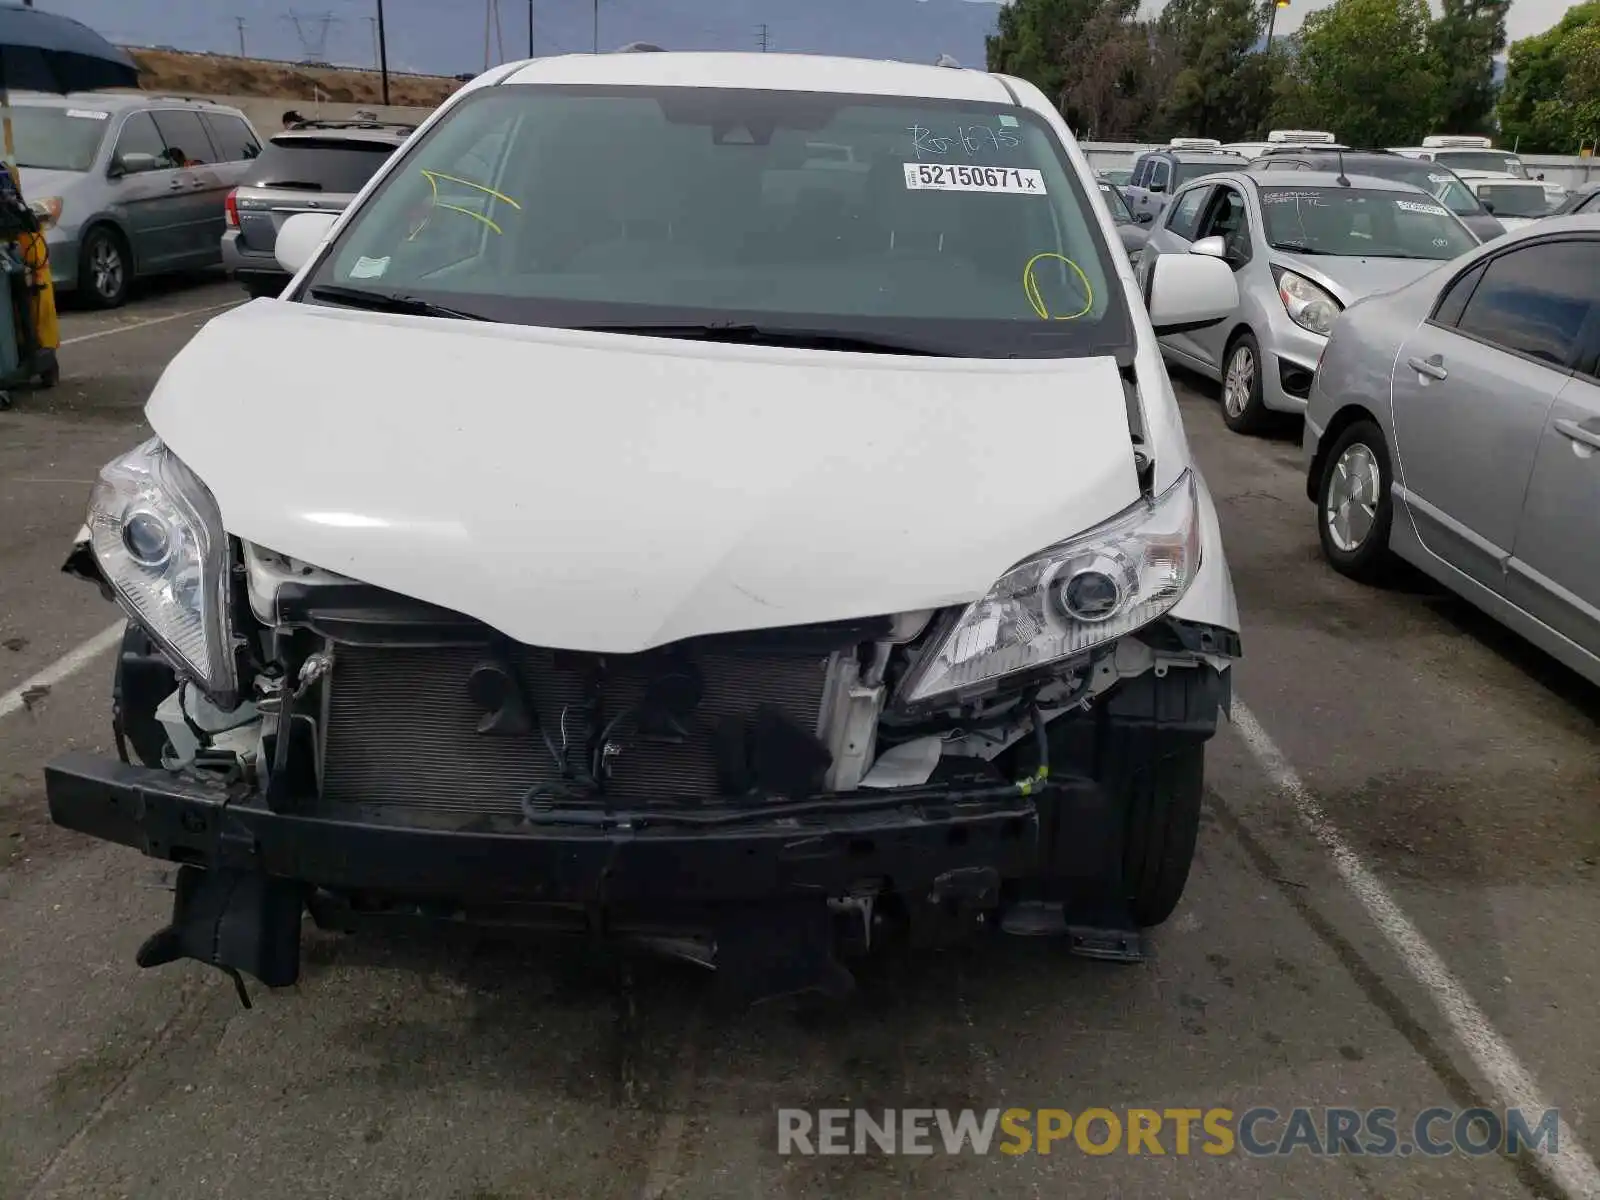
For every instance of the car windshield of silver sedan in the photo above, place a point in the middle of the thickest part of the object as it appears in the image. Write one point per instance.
(860, 222)
(1360, 223)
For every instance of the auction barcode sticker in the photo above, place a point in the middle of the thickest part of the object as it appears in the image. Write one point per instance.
(946, 178)
(1412, 206)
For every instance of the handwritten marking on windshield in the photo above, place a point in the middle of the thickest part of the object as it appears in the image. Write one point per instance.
(1030, 287)
(970, 139)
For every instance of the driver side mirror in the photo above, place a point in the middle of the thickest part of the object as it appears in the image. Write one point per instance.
(1488, 206)
(1157, 186)
(1145, 218)
(300, 238)
(131, 163)
(1191, 291)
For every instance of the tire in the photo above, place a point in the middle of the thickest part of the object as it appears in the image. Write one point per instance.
(105, 268)
(1163, 804)
(1354, 508)
(1242, 408)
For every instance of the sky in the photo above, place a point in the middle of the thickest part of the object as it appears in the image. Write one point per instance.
(447, 36)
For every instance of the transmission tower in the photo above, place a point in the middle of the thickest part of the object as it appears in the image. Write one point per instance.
(492, 32)
(239, 21)
(312, 29)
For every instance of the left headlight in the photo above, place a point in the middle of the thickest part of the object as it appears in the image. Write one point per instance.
(1087, 590)
(47, 209)
(157, 537)
(1308, 306)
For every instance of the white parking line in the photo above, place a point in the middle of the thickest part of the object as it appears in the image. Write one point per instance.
(68, 664)
(1571, 1169)
(132, 325)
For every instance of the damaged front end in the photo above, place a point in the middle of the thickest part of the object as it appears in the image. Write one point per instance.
(754, 800)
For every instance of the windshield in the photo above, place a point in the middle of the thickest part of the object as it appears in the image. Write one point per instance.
(1514, 199)
(1441, 185)
(958, 226)
(1482, 160)
(1117, 205)
(317, 164)
(1357, 222)
(1194, 170)
(58, 139)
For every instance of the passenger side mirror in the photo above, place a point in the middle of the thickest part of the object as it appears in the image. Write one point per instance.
(300, 237)
(1488, 206)
(1144, 218)
(1214, 246)
(1191, 291)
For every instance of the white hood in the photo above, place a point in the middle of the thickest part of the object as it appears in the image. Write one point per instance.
(605, 493)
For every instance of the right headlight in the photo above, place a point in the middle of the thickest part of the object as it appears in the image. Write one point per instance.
(1080, 593)
(157, 537)
(1308, 306)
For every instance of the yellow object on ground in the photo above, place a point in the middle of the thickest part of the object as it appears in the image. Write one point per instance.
(41, 289)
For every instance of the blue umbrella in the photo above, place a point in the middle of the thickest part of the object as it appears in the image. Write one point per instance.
(43, 52)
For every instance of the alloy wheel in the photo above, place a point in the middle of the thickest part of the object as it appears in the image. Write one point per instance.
(106, 266)
(1351, 506)
(1239, 381)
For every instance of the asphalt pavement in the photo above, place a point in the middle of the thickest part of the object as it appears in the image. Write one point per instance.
(1396, 904)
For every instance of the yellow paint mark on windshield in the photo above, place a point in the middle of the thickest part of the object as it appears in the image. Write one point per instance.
(434, 202)
(434, 176)
(1030, 287)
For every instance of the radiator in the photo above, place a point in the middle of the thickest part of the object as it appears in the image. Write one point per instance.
(401, 731)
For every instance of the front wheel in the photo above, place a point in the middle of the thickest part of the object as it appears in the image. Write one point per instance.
(1243, 410)
(1163, 806)
(106, 268)
(1354, 511)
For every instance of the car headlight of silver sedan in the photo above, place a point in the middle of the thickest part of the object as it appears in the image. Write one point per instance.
(157, 537)
(1078, 594)
(1308, 305)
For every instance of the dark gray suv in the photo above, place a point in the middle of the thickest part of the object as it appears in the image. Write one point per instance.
(317, 166)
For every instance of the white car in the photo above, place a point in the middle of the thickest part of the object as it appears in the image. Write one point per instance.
(1515, 203)
(686, 540)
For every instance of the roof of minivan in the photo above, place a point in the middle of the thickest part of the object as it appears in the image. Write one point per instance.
(116, 102)
(772, 72)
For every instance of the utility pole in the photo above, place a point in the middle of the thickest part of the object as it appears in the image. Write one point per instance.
(373, 21)
(239, 21)
(383, 56)
(597, 26)
(530, 28)
(762, 37)
(1266, 53)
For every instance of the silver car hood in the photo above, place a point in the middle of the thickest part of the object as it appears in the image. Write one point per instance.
(1350, 278)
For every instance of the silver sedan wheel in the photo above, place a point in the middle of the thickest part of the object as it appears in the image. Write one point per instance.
(1351, 507)
(1239, 381)
(106, 267)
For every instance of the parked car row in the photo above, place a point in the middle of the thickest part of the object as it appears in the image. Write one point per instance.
(128, 185)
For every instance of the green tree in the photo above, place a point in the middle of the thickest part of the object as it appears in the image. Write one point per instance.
(1365, 71)
(1099, 65)
(1221, 88)
(1464, 41)
(1549, 102)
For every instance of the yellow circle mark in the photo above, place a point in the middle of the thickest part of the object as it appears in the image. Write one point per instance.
(1030, 286)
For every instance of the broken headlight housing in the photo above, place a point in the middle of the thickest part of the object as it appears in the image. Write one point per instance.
(157, 538)
(1078, 594)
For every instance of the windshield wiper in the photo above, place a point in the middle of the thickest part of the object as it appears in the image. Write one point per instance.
(1297, 248)
(388, 302)
(771, 335)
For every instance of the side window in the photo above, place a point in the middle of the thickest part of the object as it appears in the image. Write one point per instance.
(1183, 214)
(187, 143)
(1227, 218)
(1160, 174)
(139, 146)
(1141, 172)
(1454, 300)
(1534, 301)
(232, 137)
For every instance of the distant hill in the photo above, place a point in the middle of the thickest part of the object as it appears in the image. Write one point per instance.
(221, 75)
(447, 38)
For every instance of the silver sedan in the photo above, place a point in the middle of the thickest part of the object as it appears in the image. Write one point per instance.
(1302, 250)
(1455, 424)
